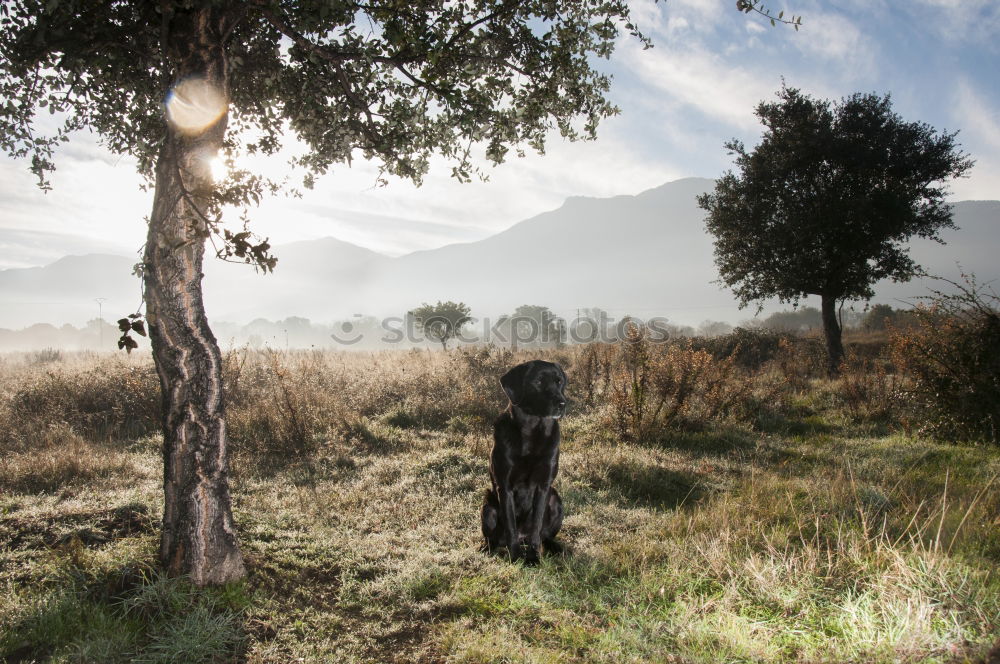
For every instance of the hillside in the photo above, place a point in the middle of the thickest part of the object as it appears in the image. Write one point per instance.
(645, 255)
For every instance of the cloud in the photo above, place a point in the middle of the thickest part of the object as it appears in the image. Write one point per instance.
(977, 117)
(960, 21)
(400, 218)
(704, 81)
(980, 135)
(836, 39)
(93, 203)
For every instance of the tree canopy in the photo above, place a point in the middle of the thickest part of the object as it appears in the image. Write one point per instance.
(443, 321)
(384, 80)
(825, 204)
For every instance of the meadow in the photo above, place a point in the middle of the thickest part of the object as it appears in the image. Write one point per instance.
(726, 502)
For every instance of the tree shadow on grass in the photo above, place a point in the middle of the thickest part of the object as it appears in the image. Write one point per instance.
(629, 484)
(644, 485)
(92, 528)
(795, 425)
(127, 613)
(717, 441)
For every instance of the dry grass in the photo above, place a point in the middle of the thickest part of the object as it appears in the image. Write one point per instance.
(799, 523)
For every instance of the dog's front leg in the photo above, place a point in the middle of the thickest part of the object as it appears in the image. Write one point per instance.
(541, 500)
(537, 515)
(506, 497)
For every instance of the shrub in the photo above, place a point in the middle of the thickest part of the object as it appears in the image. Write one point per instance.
(45, 356)
(478, 371)
(952, 355)
(111, 400)
(282, 405)
(749, 349)
(590, 375)
(868, 391)
(295, 406)
(656, 386)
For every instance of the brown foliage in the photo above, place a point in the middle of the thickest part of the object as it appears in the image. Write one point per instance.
(951, 353)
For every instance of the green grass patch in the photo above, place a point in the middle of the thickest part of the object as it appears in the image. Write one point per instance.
(806, 534)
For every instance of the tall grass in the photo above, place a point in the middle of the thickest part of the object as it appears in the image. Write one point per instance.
(718, 510)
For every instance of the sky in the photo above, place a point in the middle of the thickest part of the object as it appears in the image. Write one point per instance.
(680, 101)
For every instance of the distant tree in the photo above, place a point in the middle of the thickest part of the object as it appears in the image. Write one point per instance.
(592, 324)
(878, 316)
(537, 325)
(714, 328)
(441, 322)
(825, 204)
(849, 317)
(883, 316)
(804, 318)
(298, 331)
(357, 332)
(678, 331)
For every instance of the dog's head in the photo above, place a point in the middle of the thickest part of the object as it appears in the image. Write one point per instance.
(537, 387)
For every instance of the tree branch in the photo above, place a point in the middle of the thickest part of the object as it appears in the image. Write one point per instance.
(300, 40)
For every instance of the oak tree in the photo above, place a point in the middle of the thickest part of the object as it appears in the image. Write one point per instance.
(176, 83)
(825, 204)
(441, 322)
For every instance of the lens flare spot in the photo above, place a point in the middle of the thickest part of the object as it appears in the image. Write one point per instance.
(194, 105)
(218, 168)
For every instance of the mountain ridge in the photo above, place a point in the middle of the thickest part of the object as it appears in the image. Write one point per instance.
(636, 253)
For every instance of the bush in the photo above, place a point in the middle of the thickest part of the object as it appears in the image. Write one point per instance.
(282, 405)
(655, 386)
(952, 355)
(293, 406)
(749, 349)
(112, 400)
(590, 375)
(478, 371)
(868, 391)
(45, 356)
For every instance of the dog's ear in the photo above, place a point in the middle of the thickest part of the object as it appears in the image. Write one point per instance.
(512, 382)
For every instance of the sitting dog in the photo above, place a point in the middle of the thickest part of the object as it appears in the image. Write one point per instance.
(523, 511)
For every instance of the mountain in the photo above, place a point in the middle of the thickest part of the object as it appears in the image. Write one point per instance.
(640, 253)
(643, 255)
(318, 279)
(65, 291)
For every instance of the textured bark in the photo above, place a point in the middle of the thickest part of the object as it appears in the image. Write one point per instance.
(199, 536)
(831, 330)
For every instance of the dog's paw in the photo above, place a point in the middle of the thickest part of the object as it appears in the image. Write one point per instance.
(531, 558)
(552, 547)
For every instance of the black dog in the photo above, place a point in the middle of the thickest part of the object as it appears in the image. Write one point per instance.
(523, 511)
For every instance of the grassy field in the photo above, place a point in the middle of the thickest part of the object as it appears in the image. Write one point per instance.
(721, 513)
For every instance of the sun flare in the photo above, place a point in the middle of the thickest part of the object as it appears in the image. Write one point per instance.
(194, 105)
(218, 168)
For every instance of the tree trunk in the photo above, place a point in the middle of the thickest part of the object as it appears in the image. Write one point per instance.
(199, 536)
(831, 329)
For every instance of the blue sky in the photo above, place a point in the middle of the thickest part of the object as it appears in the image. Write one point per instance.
(679, 100)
